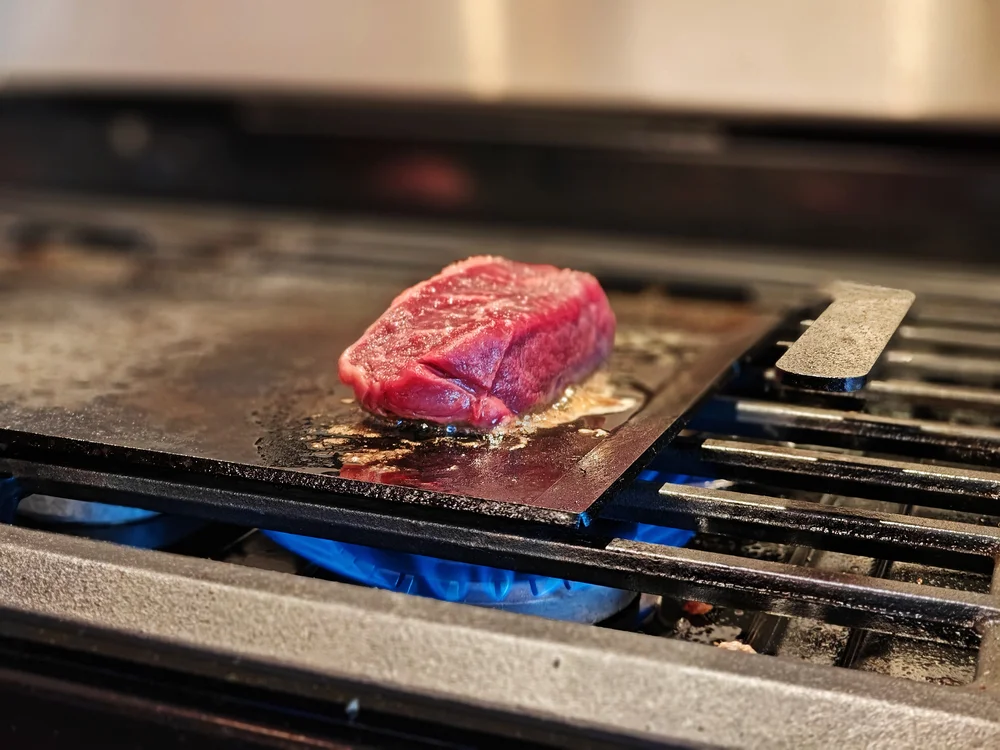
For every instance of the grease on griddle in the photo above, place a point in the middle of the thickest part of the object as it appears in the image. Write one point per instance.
(516, 464)
(366, 447)
(597, 396)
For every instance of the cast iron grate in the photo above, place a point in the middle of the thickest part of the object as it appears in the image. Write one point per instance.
(907, 472)
(875, 510)
(899, 473)
(878, 507)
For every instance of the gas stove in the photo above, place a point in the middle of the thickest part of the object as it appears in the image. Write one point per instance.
(189, 560)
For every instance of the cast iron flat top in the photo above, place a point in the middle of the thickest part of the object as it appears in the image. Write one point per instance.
(227, 373)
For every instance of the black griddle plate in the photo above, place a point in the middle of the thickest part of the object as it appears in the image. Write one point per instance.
(225, 378)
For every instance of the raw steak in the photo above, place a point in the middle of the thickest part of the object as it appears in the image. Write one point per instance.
(483, 341)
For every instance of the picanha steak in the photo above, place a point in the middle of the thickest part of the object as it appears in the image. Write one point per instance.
(485, 340)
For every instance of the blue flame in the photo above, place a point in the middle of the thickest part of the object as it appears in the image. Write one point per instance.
(454, 581)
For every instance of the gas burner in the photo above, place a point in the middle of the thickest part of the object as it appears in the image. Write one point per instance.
(481, 586)
(47, 509)
(131, 527)
(478, 585)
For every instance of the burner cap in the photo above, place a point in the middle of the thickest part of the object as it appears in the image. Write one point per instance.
(61, 510)
(459, 582)
(479, 585)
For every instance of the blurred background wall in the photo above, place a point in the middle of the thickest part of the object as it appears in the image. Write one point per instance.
(896, 59)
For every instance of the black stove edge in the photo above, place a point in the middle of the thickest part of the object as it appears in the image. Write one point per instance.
(158, 709)
(512, 675)
(601, 558)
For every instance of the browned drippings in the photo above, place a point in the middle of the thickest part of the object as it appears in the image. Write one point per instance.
(369, 441)
(596, 396)
(238, 371)
(518, 462)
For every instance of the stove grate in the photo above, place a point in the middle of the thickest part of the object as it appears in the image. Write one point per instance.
(858, 530)
(906, 441)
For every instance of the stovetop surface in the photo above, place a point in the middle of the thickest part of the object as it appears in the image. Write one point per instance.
(229, 374)
(843, 530)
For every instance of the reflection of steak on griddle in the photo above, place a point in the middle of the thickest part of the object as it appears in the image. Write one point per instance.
(484, 340)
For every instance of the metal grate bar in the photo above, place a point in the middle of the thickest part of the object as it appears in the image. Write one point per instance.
(951, 338)
(934, 393)
(946, 487)
(900, 391)
(850, 429)
(840, 598)
(975, 369)
(988, 661)
(853, 530)
(983, 316)
(889, 606)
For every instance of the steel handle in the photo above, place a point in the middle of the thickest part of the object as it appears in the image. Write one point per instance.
(838, 351)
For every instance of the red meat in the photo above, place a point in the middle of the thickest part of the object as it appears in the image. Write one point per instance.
(481, 342)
